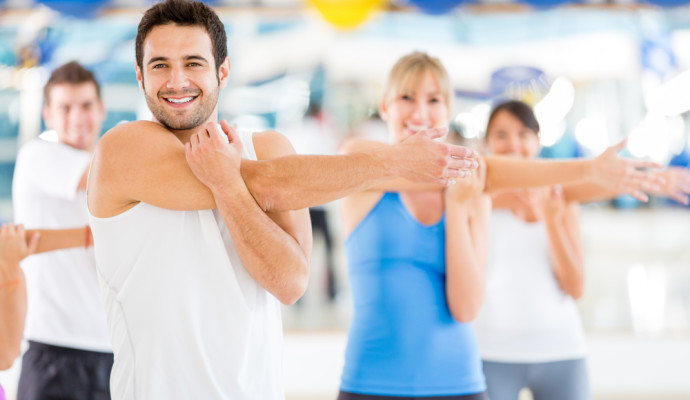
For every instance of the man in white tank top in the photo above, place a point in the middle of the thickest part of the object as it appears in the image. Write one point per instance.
(196, 242)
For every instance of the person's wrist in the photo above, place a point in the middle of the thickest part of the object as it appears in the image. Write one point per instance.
(9, 272)
(591, 169)
(387, 160)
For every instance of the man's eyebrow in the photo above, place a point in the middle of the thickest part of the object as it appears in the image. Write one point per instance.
(196, 57)
(156, 59)
(187, 58)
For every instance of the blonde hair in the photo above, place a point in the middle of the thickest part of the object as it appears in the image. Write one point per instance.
(410, 69)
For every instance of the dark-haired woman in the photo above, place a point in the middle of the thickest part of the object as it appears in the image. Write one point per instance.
(529, 329)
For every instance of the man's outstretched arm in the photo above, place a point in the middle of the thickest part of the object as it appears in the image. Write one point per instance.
(143, 161)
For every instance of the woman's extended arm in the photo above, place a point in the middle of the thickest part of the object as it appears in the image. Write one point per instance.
(467, 240)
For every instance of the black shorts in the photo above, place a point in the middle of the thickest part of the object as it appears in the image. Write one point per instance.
(355, 396)
(53, 372)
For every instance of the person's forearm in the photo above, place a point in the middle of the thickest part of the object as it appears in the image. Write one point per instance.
(297, 182)
(566, 257)
(588, 192)
(271, 256)
(58, 239)
(12, 317)
(514, 173)
(465, 279)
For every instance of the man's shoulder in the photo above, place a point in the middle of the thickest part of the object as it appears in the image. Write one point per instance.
(129, 137)
(134, 128)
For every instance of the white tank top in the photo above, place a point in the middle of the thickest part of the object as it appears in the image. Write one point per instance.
(526, 317)
(186, 319)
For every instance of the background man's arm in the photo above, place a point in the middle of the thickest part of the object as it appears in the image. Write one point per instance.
(58, 239)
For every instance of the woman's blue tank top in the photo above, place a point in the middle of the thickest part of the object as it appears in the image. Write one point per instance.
(403, 340)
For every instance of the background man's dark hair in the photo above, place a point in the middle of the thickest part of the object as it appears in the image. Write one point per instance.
(183, 13)
(71, 73)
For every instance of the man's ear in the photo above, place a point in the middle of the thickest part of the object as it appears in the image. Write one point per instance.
(140, 76)
(224, 72)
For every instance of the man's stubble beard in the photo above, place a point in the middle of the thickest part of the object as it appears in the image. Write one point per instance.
(209, 100)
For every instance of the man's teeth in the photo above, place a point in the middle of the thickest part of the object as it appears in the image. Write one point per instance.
(182, 100)
(416, 128)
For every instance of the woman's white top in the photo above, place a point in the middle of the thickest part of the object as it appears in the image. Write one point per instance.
(526, 317)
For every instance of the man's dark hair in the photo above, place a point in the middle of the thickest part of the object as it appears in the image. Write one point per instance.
(183, 13)
(71, 73)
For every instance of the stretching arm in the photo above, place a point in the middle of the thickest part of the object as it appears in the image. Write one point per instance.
(563, 229)
(274, 247)
(467, 239)
(57, 239)
(142, 161)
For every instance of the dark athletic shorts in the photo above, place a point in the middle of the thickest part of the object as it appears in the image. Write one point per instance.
(53, 372)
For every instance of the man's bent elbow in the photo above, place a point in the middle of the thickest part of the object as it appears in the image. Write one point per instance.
(294, 290)
(575, 291)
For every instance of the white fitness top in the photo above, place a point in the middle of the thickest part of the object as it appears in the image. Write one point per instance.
(526, 317)
(187, 321)
(64, 300)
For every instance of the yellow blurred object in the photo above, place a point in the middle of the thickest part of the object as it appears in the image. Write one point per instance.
(346, 14)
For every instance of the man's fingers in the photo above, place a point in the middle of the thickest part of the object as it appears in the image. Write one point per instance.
(434, 133)
(463, 163)
(642, 164)
(618, 147)
(194, 140)
(681, 198)
(456, 173)
(229, 131)
(444, 181)
(639, 195)
(462, 152)
(33, 242)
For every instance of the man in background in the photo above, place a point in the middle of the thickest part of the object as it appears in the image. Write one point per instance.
(69, 354)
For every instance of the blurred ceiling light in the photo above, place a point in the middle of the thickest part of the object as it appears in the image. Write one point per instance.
(469, 126)
(552, 110)
(671, 98)
(557, 102)
(550, 133)
(590, 133)
(657, 137)
(480, 113)
(676, 131)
